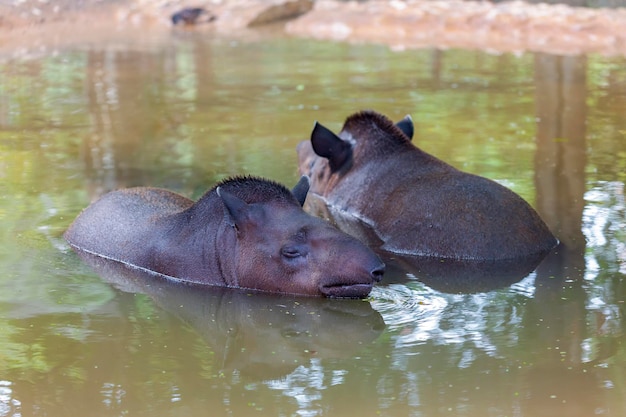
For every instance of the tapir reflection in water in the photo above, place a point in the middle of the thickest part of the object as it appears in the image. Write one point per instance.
(246, 232)
(416, 203)
(260, 337)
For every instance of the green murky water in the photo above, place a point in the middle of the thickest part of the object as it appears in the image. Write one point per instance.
(188, 111)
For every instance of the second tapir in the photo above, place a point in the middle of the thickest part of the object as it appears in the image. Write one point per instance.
(246, 232)
(416, 203)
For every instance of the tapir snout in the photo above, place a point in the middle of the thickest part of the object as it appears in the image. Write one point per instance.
(355, 275)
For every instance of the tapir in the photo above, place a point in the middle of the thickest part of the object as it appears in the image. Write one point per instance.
(417, 204)
(245, 232)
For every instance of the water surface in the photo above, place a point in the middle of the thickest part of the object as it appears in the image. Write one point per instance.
(185, 112)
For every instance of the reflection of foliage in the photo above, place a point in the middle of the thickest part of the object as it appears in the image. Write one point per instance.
(607, 128)
(16, 355)
(605, 226)
(188, 116)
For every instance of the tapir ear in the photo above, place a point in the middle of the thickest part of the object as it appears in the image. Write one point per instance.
(301, 189)
(406, 126)
(237, 210)
(328, 145)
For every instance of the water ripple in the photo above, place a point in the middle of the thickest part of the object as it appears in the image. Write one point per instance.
(416, 315)
(412, 309)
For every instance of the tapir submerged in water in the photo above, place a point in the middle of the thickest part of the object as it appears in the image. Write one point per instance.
(245, 232)
(416, 203)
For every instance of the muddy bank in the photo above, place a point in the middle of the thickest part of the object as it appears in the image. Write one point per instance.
(31, 26)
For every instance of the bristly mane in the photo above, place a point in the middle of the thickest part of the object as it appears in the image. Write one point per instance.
(256, 190)
(368, 123)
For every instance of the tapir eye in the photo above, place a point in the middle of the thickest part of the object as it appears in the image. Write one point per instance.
(291, 252)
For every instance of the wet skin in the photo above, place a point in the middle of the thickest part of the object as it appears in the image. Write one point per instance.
(246, 232)
(416, 203)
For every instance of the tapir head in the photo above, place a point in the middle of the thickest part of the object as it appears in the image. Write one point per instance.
(328, 156)
(281, 249)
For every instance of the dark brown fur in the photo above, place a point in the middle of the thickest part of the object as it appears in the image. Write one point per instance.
(417, 203)
(245, 232)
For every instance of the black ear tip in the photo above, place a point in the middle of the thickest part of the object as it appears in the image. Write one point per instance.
(323, 134)
(406, 126)
(318, 127)
(301, 189)
(303, 182)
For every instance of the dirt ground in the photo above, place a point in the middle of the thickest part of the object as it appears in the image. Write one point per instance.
(515, 26)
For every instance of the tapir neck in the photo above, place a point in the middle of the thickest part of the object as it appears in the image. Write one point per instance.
(206, 242)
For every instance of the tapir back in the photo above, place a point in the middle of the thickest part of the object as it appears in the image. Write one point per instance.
(457, 215)
(123, 224)
(417, 203)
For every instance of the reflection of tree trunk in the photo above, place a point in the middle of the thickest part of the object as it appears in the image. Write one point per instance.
(123, 98)
(560, 159)
(561, 111)
(97, 154)
(555, 321)
(436, 66)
